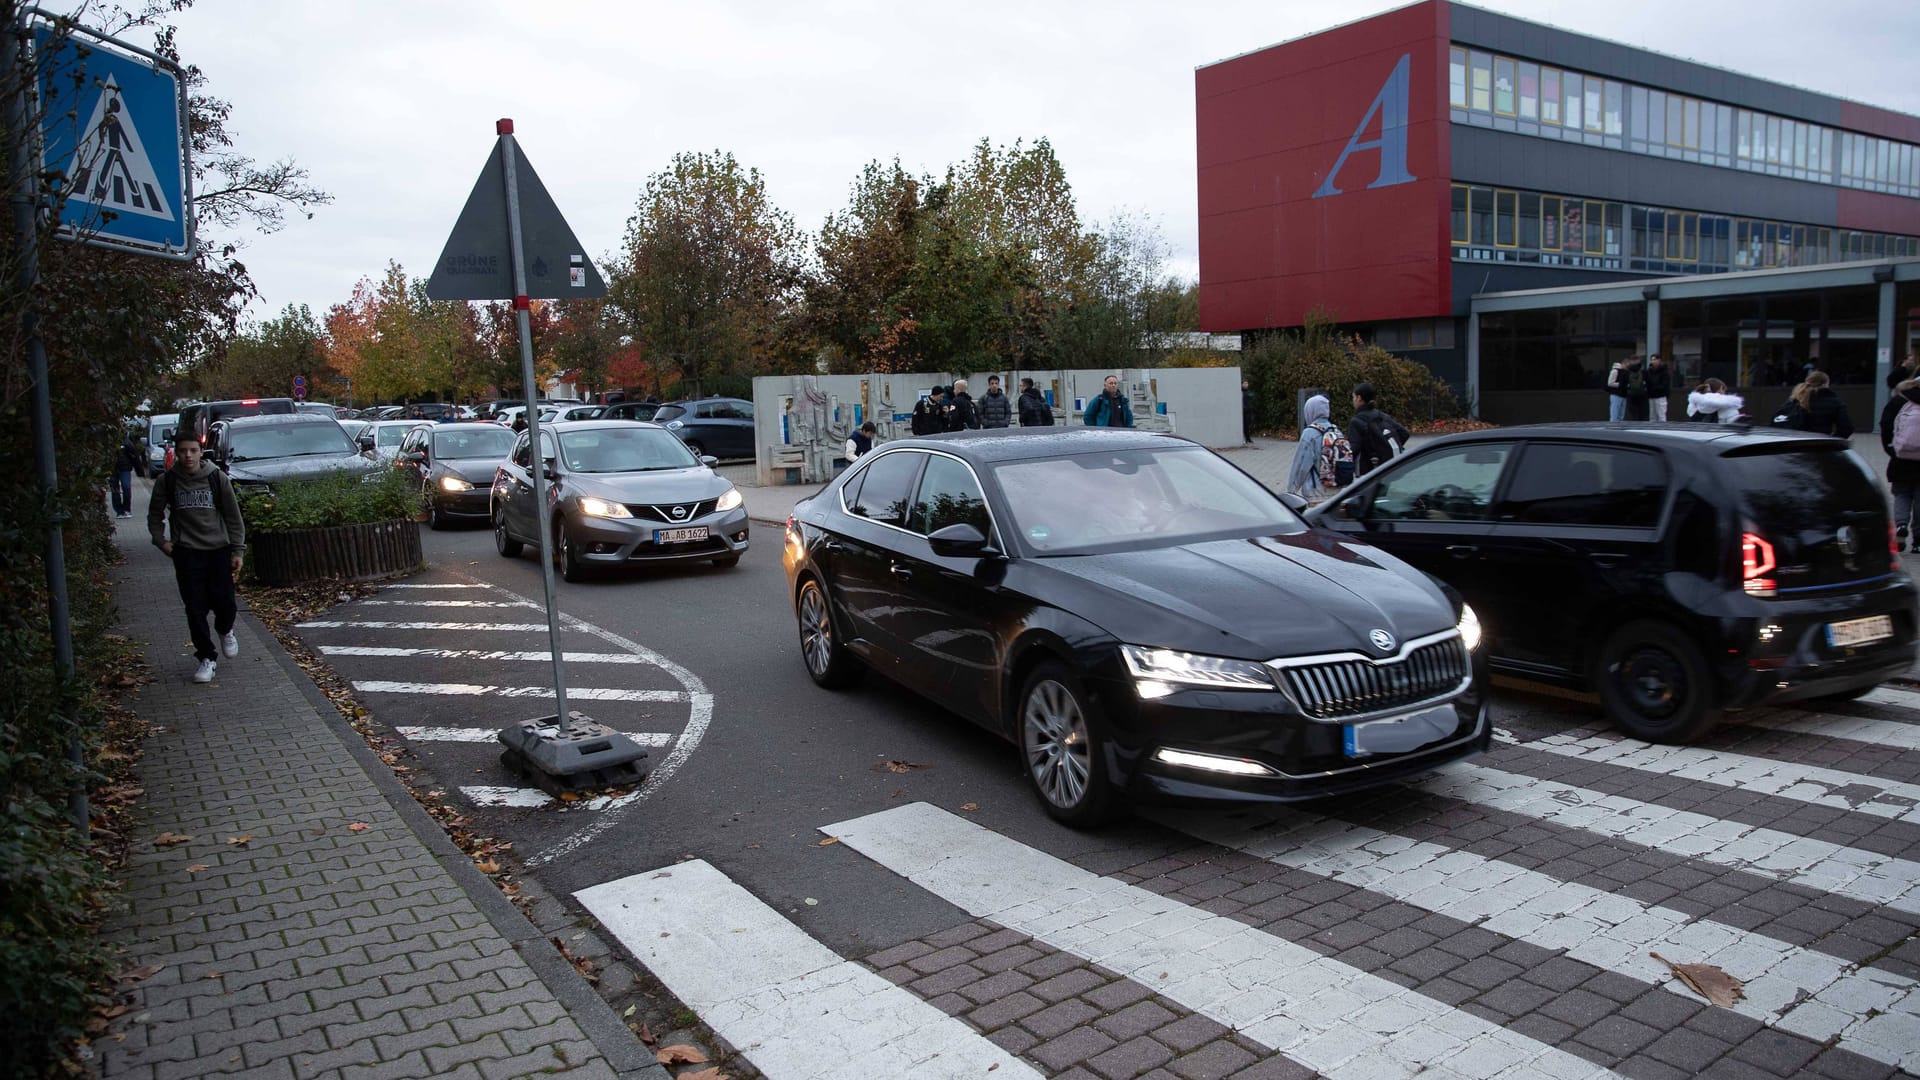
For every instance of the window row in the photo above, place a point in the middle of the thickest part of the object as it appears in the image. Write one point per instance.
(1527, 226)
(1535, 99)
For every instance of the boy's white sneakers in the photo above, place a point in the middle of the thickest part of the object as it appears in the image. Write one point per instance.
(204, 673)
(230, 645)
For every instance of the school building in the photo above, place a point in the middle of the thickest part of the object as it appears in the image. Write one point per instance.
(1518, 207)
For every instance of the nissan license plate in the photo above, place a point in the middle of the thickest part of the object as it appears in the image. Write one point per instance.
(679, 536)
(1843, 635)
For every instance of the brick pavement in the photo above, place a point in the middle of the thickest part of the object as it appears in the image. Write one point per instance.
(315, 949)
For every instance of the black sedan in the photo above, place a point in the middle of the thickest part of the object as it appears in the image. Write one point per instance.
(455, 464)
(1138, 616)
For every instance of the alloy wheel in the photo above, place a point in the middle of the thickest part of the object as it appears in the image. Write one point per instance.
(1056, 742)
(816, 632)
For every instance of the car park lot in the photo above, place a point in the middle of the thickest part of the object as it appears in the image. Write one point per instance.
(1490, 918)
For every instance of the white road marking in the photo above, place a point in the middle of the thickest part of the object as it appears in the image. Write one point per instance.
(506, 796)
(1857, 728)
(476, 585)
(792, 1006)
(541, 655)
(574, 693)
(1325, 1015)
(1800, 990)
(452, 603)
(371, 624)
(1787, 779)
(1863, 875)
(486, 735)
(1887, 695)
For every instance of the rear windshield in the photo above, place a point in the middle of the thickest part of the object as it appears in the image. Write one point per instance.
(1803, 487)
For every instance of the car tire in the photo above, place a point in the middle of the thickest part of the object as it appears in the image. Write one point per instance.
(828, 662)
(435, 519)
(506, 545)
(1063, 747)
(566, 557)
(1655, 684)
(695, 446)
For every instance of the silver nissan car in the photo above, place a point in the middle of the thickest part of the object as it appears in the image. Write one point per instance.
(625, 493)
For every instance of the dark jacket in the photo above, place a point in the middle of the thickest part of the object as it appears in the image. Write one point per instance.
(132, 457)
(1108, 410)
(198, 509)
(1659, 381)
(1827, 415)
(1034, 411)
(962, 417)
(1368, 433)
(995, 409)
(929, 416)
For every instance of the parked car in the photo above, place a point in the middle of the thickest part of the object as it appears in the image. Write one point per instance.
(200, 416)
(573, 412)
(429, 410)
(257, 451)
(382, 437)
(631, 410)
(1139, 617)
(1680, 571)
(160, 427)
(316, 408)
(719, 426)
(455, 464)
(624, 494)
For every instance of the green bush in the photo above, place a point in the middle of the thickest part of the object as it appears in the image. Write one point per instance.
(336, 499)
(1277, 367)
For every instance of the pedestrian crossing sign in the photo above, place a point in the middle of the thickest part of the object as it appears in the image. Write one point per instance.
(111, 125)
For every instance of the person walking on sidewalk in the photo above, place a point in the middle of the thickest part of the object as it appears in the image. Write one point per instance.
(1034, 410)
(128, 458)
(194, 502)
(1375, 437)
(1110, 409)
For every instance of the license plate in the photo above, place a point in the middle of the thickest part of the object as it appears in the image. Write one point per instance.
(679, 536)
(1398, 734)
(1842, 635)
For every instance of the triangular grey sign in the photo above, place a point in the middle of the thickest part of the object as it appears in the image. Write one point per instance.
(477, 263)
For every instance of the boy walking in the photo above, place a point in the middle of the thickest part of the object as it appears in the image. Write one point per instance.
(194, 501)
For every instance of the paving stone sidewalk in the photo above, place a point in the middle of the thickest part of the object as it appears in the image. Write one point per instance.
(318, 948)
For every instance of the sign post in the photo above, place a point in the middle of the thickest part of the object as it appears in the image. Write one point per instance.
(511, 226)
(300, 388)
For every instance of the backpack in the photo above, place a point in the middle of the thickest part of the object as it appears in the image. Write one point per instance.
(1636, 383)
(1336, 456)
(1906, 432)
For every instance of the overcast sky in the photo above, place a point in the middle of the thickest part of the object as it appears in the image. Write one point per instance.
(390, 105)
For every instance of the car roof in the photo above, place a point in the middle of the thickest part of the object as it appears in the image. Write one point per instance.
(701, 400)
(273, 419)
(1013, 444)
(1682, 435)
(598, 425)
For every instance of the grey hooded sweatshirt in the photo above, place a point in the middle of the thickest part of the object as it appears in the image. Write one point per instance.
(205, 515)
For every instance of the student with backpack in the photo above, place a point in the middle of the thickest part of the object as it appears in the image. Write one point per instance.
(1374, 436)
(1323, 461)
(195, 520)
(1900, 438)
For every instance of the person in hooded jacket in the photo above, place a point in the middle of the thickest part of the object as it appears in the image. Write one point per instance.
(1034, 410)
(1815, 407)
(960, 414)
(1903, 474)
(1304, 478)
(195, 520)
(996, 408)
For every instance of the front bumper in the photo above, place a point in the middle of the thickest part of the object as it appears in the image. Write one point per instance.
(1778, 649)
(613, 541)
(476, 504)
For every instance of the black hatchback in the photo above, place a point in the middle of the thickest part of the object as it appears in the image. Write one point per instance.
(1678, 570)
(1137, 615)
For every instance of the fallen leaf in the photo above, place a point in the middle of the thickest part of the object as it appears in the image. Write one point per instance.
(630, 1010)
(969, 807)
(680, 1054)
(147, 971)
(243, 839)
(569, 796)
(902, 766)
(213, 975)
(487, 867)
(828, 840)
(1707, 980)
(196, 868)
(168, 839)
(646, 1034)
(110, 1013)
(359, 826)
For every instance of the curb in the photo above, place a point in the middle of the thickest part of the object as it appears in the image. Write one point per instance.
(624, 1054)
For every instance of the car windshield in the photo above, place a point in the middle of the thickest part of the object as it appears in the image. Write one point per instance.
(390, 434)
(1156, 497)
(478, 441)
(292, 440)
(623, 449)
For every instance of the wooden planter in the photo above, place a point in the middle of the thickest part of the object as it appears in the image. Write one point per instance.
(352, 552)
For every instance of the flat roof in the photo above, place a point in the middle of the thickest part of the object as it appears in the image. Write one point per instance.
(1689, 286)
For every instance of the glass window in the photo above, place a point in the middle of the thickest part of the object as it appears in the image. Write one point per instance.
(1826, 150)
(1549, 95)
(1595, 88)
(1503, 85)
(1482, 215)
(1676, 120)
(1549, 223)
(1673, 235)
(1506, 210)
(1572, 224)
(1691, 118)
(1743, 124)
(1571, 85)
(1143, 498)
(1690, 237)
(1656, 118)
(1637, 112)
(1571, 484)
(1773, 140)
(1706, 129)
(1615, 103)
(1457, 78)
(1459, 213)
(1454, 485)
(886, 487)
(1642, 241)
(1800, 146)
(1482, 86)
(1596, 228)
(949, 495)
(1529, 91)
(1616, 223)
(1529, 220)
(1724, 145)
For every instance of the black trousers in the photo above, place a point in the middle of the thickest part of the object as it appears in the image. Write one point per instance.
(206, 584)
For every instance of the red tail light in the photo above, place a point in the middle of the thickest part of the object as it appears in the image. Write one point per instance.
(1756, 560)
(249, 401)
(1893, 543)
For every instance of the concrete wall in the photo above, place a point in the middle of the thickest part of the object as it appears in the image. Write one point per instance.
(801, 421)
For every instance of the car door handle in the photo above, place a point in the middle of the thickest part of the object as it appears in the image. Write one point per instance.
(900, 571)
(1462, 551)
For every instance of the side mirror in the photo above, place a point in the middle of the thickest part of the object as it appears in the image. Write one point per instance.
(1293, 502)
(709, 460)
(962, 541)
(366, 442)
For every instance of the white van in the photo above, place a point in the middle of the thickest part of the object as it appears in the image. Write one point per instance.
(160, 440)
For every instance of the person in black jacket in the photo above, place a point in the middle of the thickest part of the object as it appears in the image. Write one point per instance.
(960, 415)
(1903, 474)
(1904, 370)
(130, 458)
(1034, 410)
(1815, 407)
(996, 408)
(1374, 436)
(1659, 384)
(930, 412)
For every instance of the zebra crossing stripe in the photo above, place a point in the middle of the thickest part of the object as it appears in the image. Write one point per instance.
(374, 624)
(1323, 1014)
(1865, 1010)
(1765, 776)
(582, 693)
(481, 795)
(540, 655)
(448, 603)
(1891, 733)
(1863, 875)
(1887, 695)
(492, 734)
(792, 1006)
(475, 585)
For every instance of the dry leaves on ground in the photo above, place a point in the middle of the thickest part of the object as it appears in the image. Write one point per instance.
(196, 868)
(969, 807)
(168, 839)
(1707, 980)
(680, 1054)
(901, 766)
(139, 974)
(359, 826)
(828, 840)
(242, 840)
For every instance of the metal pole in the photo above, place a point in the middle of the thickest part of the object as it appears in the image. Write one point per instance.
(25, 199)
(536, 460)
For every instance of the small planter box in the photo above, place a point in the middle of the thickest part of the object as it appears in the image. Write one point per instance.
(352, 552)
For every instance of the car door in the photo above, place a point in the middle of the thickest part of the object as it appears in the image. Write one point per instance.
(1433, 509)
(510, 487)
(860, 554)
(523, 517)
(1576, 533)
(952, 605)
(736, 421)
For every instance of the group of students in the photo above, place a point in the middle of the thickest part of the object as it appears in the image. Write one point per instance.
(958, 411)
(1328, 457)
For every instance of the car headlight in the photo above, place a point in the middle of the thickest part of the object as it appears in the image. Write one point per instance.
(602, 508)
(454, 483)
(1157, 671)
(730, 500)
(1469, 627)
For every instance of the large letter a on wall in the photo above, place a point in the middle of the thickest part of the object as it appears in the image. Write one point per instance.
(1391, 104)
